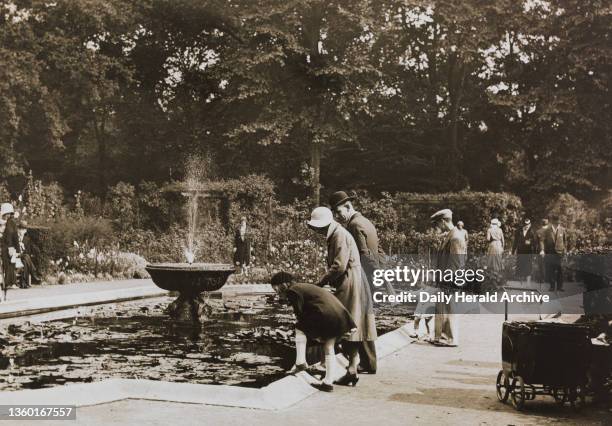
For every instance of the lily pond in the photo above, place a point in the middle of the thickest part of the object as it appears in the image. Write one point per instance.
(247, 342)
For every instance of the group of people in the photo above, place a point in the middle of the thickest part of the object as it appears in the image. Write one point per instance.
(347, 315)
(15, 252)
(547, 244)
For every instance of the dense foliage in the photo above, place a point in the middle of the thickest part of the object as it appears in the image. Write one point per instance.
(491, 108)
(382, 95)
(77, 239)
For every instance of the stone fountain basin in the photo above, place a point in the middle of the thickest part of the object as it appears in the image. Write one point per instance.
(190, 278)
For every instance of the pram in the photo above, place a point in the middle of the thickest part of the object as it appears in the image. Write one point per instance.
(541, 358)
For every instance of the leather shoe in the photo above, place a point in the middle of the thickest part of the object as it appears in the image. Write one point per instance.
(323, 387)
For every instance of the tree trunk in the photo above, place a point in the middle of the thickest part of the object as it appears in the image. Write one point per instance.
(269, 229)
(315, 164)
(102, 153)
(455, 85)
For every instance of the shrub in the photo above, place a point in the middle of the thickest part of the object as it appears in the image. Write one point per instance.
(130, 265)
(90, 204)
(154, 207)
(57, 239)
(606, 210)
(43, 202)
(5, 196)
(574, 213)
(84, 263)
(585, 232)
(211, 243)
(122, 206)
(475, 209)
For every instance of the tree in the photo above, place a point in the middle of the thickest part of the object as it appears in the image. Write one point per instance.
(298, 75)
(27, 107)
(555, 100)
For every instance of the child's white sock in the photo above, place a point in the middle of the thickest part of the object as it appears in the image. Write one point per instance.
(300, 347)
(329, 369)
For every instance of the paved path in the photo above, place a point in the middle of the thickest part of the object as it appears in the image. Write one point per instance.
(419, 384)
(37, 291)
(36, 300)
(42, 299)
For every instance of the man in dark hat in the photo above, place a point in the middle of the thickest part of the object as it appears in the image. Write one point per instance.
(552, 247)
(371, 256)
(450, 257)
(362, 230)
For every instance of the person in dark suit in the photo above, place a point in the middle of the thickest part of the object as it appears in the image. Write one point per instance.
(553, 246)
(10, 247)
(320, 318)
(542, 278)
(372, 258)
(26, 249)
(524, 247)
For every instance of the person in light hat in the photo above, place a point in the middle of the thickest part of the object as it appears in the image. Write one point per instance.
(495, 250)
(449, 257)
(10, 248)
(344, 275)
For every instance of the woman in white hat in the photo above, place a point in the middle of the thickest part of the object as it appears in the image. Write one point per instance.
(495, 251)
(10, 247)
(344, 275)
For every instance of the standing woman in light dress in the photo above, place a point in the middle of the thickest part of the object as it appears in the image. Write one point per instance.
(495, 251)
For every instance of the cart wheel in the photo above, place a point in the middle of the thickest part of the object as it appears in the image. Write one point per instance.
(518, 392)
(503, 386)
(530, 396)
(577, 397)
(560, 395)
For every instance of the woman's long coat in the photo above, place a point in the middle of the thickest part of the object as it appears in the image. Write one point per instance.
(525, 247)
(242, 255)
(344, 273)
(10, 238)
(319, 314)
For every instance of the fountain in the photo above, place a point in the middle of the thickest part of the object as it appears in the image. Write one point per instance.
(190, 279)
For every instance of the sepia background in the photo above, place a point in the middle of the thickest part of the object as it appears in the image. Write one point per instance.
(494, 109)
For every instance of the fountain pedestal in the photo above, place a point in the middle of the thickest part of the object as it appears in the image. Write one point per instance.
(190, 280)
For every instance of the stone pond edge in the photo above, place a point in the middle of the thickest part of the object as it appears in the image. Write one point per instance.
(278, 395)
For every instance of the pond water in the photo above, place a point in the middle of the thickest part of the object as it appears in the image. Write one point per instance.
(248, 342)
